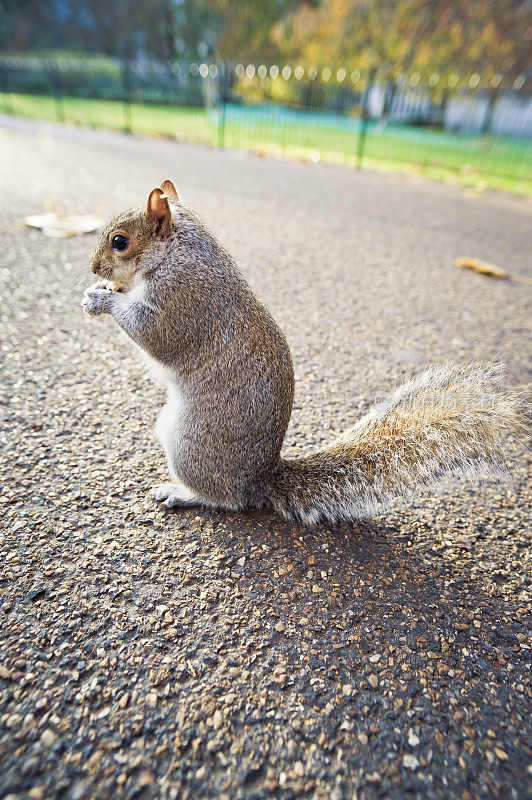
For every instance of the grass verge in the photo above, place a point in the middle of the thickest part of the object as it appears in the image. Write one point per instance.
(477, 161)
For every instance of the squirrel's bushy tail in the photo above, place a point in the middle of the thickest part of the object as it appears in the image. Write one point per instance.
(448, 424)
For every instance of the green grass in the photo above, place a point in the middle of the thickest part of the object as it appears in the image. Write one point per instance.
(477, 161)
(181, 122)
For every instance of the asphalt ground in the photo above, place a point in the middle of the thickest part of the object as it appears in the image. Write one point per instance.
(198, 654)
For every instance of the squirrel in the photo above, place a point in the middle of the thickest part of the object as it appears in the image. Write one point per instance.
(228, 373)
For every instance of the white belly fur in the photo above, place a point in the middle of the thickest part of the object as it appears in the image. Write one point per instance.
(168, 425)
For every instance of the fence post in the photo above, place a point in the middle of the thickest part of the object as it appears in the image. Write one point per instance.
(221, 103)
(364, 118)
(493, 96)
(126, 96)
(439, 119)
(57, 92)
(389, 95)
(4, 86)
(221, 124)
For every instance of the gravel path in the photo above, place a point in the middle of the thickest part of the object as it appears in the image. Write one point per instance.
(205, 655)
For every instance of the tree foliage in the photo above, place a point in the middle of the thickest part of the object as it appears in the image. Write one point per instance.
(121, 27)
(161, 29)
(445, 35)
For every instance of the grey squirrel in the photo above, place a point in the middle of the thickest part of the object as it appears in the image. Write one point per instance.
(229, 378)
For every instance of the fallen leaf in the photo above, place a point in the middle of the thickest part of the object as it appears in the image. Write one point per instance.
(60, 226)
(491, 270)
(484, 267)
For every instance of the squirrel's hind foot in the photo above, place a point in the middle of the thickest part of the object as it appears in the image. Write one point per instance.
(174, 495)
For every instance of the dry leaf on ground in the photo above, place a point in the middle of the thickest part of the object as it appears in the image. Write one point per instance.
(491, 270)
(59, 226)
(484, 267)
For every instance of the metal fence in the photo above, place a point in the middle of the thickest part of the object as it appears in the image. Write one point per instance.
(476, 129)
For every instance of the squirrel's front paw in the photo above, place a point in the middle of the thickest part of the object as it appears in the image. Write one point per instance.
(96, 300)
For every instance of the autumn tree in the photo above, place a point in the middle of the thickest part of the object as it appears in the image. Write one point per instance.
(436, 35)
(445, 35)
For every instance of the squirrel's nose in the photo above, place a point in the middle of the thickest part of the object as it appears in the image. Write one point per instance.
(95, 266)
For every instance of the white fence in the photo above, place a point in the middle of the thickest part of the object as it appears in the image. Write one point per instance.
(509, 115)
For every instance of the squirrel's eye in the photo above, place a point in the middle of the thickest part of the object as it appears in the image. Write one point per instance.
(119, 242)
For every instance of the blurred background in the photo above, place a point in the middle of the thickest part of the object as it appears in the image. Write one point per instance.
(436, 87)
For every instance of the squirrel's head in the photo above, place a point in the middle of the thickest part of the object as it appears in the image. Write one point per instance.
(129, 239)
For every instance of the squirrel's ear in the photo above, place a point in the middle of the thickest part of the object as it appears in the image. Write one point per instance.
(158, 210)
(169, 188)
